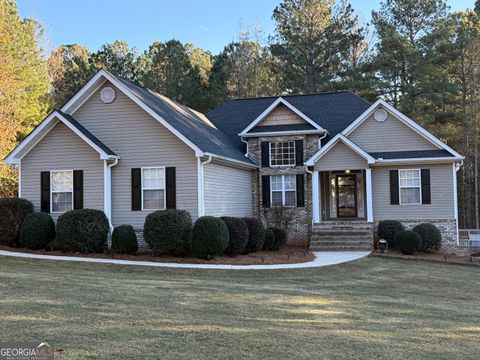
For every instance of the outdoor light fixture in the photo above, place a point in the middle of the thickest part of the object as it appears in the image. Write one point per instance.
(347, 171)
(382, 245)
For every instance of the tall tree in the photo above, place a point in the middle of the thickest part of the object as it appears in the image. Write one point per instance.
(116, 57)
(70, 68)
(24, 83)
(311, 36)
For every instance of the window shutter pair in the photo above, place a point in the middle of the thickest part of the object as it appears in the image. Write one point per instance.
(425, 184)
(300, 186)
(170, 188)
(45, 190)
(265, 153)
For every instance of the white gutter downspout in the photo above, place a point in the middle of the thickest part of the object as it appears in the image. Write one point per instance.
(201, 185)
(320, 138)
(107, 194)
(246, 143)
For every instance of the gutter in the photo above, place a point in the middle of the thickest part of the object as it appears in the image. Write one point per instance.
(201, 185)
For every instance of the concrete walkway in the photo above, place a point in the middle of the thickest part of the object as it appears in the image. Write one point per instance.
(322, 259)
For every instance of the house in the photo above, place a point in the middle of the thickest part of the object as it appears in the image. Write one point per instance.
(328, 165)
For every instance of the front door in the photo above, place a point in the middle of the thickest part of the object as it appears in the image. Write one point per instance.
(346, 196)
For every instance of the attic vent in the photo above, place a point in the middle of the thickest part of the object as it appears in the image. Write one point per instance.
(107, 95)
(380, 115)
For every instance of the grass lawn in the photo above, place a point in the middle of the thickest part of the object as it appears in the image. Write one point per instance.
(369, 309)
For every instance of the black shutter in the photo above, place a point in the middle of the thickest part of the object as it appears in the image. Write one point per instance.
(170, 187)
(136, 189)
(265, 150)
(299, 152)
(78, 189)
(266, 191)
(394, 199)
(300, 191)
(426, 197)
(45, 191)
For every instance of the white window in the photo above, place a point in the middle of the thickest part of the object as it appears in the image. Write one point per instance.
(283, 190)
(410, 186)
(282, 153)
(61, 191)
(153, 188)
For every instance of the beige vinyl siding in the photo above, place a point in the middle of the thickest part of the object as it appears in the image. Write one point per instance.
(390, 135)
(62, 149)
(441, 190)
(340, 157)
(140, 141)
(228, 191)
(281, 115)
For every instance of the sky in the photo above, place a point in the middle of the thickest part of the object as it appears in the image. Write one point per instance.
(209, 24)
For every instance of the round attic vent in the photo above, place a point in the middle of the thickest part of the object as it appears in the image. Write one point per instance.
(107, 95)
(380, 115)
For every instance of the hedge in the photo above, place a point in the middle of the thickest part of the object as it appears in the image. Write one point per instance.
(37, 231)
(13, 212)
(387, 229)
(237, 235)
(84, 230)
(280, 238)
(168, 232)
(431, 236)
(269, 240)
(124, 240)
(256, 234)
(209, 237)
(408, 242)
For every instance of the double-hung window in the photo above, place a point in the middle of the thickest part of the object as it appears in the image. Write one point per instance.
(282, 153)
(410, 186)
(153, 188)
(61, 191)
(283, 190)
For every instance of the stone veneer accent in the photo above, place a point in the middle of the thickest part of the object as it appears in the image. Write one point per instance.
(448, 228)
(300, 228)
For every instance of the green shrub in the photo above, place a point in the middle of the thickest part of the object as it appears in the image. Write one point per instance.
(280, 238)
(269, 240)
(209, 237)
(37, 231)
(407, 241)
(237, 235)
(387, 229)
(431, 236)
(168, 232)
(12, 213)
(124, 240)
(256, 234)
(84, 230)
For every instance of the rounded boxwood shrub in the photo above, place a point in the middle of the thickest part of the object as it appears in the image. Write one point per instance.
(431, 236)
(84, 230)
(124, 240)
(209, 237)
(387, 229)
(280, 238)
(237, 235)
(168, 232)
(407, 241)
(256, 234)
(269, 240)
(37, 231)
(12, 213)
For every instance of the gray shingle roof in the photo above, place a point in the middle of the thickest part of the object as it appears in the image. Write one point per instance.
(411, 154)
(87, 133)
(333, 111)
(289, 127)
(190, 123)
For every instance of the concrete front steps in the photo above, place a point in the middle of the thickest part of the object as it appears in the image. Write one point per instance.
(354, 235)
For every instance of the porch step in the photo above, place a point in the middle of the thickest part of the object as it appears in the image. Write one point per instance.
(342, 236)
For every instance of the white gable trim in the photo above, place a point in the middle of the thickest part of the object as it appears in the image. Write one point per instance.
(403, 118)
(41, 131)
(339, 137)
(88, 87)
(272, 107)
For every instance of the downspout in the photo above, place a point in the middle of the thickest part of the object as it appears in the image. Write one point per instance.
(246, 142)
(320, 138)
(107, 195)
(200, 184)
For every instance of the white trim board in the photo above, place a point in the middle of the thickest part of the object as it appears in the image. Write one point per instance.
(339, 137)
(41, 131)
(272, 107)
(404, 119)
